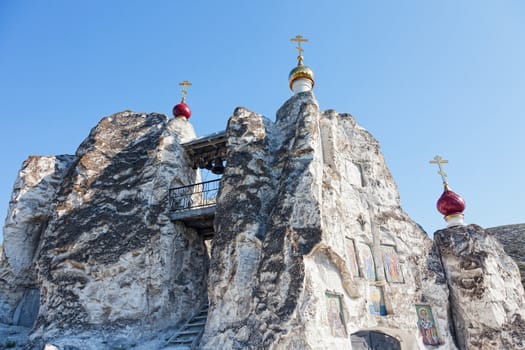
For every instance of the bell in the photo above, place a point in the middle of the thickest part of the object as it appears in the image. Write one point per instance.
(218, 167)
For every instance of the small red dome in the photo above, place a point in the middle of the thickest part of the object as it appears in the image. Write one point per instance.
(182, 109)
(450, 203)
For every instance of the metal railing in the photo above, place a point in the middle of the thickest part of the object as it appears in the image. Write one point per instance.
(193, 196)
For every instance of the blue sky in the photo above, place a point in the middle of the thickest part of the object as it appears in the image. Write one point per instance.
(424, 77)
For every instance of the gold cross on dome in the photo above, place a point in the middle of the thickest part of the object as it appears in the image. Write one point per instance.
(438, 160)
(299, 39)
(184, 84)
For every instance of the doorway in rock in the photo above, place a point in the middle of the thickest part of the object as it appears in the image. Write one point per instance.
(373, 340)
(27, 310)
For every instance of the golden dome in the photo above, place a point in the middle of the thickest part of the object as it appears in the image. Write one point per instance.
(301, 71)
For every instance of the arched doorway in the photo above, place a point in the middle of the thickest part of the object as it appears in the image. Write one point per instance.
(373, 340)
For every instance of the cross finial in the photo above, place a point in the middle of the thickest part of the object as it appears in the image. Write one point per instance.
(438, 160)
(299, 39)
(184, 84)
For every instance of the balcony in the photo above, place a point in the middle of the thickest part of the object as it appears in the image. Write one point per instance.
(194, 205)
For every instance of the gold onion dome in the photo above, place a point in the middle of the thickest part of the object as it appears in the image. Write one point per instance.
(301, 71)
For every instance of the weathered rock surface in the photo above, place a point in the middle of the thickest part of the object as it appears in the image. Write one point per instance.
(311, 250)
(295, 194)
(487, 298)
(110, 263)
(29, 211)
(512, 237)
(13, 337)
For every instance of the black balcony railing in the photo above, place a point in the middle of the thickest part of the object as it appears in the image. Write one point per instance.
(194, 196)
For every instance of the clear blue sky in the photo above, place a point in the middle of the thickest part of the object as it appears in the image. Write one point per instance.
(424, 77)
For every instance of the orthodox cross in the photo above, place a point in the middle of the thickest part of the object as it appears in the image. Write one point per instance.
(299, 39)
(184, 84)
(438, 160)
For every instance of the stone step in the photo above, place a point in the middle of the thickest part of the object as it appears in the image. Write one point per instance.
(177, 341)
(203, 317)
(178, 347)
(187, 331)
(191, 331)
(181, 339)
(199, 325)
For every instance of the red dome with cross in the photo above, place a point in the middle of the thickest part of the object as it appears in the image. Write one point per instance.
(182, 109)
(450, 204)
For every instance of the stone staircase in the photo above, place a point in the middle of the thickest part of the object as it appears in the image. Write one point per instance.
(188, 336)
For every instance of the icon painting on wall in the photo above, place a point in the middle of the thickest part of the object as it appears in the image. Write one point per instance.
(377, 301)
(391, 264)
(336, 319)
(352, 257)
(427, 325)
(367, 261)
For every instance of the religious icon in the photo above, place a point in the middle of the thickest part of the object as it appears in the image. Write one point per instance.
(352, 258)
(427, 325)
(367, 261)
(377, 302)
(391, 264)
(335, 315)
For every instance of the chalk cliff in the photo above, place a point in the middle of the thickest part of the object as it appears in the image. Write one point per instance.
(30, 207)
(311, 248)
(487, 298)
(311, 243)
(512, 237)
(93, 230)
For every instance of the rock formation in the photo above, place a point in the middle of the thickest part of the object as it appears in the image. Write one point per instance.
(300, 200)
(311, 249)
(512, 237)
(96, 227)
(29, 210)
(487, 298)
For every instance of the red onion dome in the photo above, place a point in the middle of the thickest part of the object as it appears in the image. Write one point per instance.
(450, 203)
(182, 110)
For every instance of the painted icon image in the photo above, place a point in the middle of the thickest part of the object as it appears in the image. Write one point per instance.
(367, 261)
(352, 257)
(427, 325)
(391, 264)
(377, 301)
(336, 319)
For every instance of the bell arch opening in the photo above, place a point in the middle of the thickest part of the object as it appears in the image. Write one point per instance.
(374, 340)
